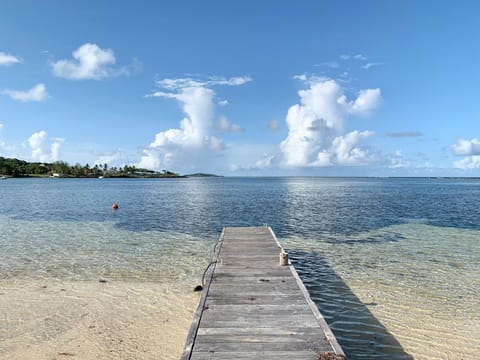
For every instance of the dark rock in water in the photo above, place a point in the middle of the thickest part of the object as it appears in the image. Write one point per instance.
(102, 280)
(198, 288)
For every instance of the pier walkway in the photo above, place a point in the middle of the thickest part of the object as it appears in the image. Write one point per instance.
(253, 308)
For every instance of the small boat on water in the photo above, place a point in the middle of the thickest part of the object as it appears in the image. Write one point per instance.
(3, 177)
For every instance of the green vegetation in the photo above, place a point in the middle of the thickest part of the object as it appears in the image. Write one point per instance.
(21, 168)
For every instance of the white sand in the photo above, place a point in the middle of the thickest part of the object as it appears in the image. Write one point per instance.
(93, 320)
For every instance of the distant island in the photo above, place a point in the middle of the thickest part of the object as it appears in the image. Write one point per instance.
(10, 167)
(202, 175)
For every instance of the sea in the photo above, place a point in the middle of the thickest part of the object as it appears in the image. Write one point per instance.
(392, 263)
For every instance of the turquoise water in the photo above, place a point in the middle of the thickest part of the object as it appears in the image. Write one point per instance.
(393, 264)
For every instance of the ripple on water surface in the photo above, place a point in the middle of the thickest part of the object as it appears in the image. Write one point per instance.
(52, 301)
(414, 296)
(392, 263)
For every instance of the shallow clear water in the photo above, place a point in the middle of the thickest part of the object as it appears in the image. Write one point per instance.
(392, 263)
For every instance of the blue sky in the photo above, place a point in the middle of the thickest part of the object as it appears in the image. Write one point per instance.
(370, 88)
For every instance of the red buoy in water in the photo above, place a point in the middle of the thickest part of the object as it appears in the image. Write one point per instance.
(115, 206)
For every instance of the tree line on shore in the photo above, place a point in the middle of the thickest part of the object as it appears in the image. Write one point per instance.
(20, 168)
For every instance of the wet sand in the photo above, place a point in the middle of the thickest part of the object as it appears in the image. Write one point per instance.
(93, 320)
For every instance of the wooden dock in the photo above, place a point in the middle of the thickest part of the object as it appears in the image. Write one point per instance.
(253, 308)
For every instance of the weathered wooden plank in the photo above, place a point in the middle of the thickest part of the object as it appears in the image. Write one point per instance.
(313, 345)
(264, 355)
(248, 277)
(189, 343)
(251, 308)
(266, 317)
(258, 338)
(307, 322)
(300, 331)
(251, 271)
(255, 300)
(255, 288)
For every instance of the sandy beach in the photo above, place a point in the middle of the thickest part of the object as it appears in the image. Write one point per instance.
(93, 320)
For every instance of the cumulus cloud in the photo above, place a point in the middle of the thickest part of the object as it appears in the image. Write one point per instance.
(89, 62)
(470, 149)
(44, 149)
(345, 149)
(316, 135)
(367, 101)
(224, 125)
(466, 147)
(193, 140)
(468, 163)
(8, 59)
(37, 93)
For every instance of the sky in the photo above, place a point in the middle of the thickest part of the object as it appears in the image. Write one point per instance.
(244, 88)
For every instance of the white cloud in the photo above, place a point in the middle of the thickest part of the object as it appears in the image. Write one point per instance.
(224, 125)
(345, 149)
(367, 101)
(223, 103)
(2, 143)
(267, 161)
(55, 148)
(188, 82)
(37, 93)
(360, 57)
(300, 77)
(468, 163)
(370, 65)
(466, 147)
(355, 57)
(193, 141)
(114, 158)
(316, 126)
(398, 161)
(8, 59)
(43, 149)
(471, 150)
(274, 125)
(90, 62)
